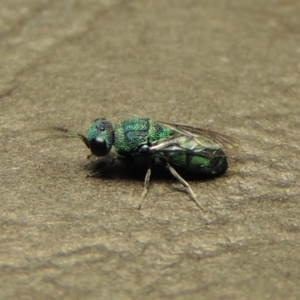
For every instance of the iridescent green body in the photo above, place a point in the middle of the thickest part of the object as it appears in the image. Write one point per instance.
(143, 140)
(132, 134)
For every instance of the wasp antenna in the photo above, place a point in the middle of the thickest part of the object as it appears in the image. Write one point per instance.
(73, 134)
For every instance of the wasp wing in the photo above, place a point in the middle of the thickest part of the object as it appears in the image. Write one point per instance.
(196, 141)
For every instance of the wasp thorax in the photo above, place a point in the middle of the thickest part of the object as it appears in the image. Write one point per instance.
(100, 137)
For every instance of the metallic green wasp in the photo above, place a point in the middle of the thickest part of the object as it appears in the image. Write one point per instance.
(143, 141)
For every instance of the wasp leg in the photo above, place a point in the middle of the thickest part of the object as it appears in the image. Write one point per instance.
(108, 165)
(146, 183)
(90, 156)
(183, 182)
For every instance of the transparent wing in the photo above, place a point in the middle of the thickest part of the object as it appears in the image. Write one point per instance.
(197, 141)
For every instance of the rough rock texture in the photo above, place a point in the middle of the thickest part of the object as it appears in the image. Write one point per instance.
(232, 66)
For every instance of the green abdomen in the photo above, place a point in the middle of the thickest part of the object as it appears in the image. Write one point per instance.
(198, 164)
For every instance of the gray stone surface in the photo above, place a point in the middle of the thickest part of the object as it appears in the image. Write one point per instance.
(232, 66)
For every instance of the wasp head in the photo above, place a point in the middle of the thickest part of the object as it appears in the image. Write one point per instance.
(100, 137)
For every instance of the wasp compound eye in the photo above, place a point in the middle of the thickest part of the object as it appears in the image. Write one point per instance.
(98, 147)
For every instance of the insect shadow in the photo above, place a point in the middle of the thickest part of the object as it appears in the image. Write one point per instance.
(133, 171)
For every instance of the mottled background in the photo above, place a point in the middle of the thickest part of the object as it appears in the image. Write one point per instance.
(232, 66)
